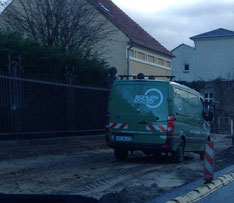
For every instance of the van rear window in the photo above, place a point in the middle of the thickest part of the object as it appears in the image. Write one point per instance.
(147, 97)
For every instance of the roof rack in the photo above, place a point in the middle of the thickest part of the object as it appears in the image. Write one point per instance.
(142, 76)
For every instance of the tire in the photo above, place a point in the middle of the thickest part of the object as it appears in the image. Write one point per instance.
(178, 155)
(147, 153)
(157, 155)
(120, 154)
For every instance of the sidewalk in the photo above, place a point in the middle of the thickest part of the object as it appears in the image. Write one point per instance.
(191, 186)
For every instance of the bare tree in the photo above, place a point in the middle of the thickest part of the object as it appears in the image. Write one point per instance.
(71, 24)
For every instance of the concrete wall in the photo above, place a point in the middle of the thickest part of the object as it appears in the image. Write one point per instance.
(215, 58)
(113, 49)
(184, 54)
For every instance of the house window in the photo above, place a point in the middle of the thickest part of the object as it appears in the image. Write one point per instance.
(151, 59)
(141, 56)
(131, 53)
(209, 97)
(168, 64)
(147, 58)
(160, 61)
(186, 67)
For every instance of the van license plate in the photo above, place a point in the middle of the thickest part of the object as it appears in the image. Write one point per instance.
(123, 138)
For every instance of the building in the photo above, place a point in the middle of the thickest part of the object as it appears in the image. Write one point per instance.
(183, 63)
(131, 49)
(209, 68)
(146, 54)
(210, 58)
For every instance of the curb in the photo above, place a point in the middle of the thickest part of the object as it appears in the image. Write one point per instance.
(204, 190)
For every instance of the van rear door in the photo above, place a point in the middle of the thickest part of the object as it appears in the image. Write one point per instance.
(139, 107)
(153, 107)
(122, 109)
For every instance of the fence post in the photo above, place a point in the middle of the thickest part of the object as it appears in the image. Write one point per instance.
(15, 91)
(232, 131)
(71, 102)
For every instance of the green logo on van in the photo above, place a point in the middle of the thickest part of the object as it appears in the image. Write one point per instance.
(152, 98)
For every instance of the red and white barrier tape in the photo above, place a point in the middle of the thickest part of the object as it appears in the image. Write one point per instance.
(118, 126)
(161, 128)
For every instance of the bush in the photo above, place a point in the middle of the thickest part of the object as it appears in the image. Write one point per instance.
(49, 62)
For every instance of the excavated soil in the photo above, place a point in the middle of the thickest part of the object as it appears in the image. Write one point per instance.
(87, 167)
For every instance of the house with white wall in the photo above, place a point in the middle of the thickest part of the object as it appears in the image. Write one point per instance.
(211, 57)
(146, 55)
(209, 67)
(183, 63)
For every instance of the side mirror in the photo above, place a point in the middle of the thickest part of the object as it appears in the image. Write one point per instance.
(208, 115)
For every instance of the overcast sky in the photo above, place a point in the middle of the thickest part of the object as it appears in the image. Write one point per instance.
(173, 22)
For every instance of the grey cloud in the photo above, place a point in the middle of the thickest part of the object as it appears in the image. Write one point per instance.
(177, 24)
(203, 9)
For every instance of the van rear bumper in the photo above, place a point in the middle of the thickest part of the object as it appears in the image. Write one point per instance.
(171, 144)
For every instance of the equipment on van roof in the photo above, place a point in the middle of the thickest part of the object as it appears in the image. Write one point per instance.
(141, 76)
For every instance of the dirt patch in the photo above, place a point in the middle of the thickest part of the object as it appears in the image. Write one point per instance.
(128, 194)
(80, 168)
(225, 158)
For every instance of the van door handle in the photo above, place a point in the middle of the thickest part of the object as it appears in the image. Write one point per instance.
(142, 122)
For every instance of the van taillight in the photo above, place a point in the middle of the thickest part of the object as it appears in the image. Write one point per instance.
(170, 125)
(107, 120)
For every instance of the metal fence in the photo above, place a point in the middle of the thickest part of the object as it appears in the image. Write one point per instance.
(221, 125)
(32, 108)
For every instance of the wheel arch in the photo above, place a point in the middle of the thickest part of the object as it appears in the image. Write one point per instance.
(183, 138)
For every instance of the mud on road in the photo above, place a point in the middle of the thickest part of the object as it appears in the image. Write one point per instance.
(88, 167)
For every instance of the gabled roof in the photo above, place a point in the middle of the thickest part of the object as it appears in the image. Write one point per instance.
(129, 27)
(214, 34)
(181, 45)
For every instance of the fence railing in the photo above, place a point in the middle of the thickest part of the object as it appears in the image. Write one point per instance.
(221, 125)
(33, 108)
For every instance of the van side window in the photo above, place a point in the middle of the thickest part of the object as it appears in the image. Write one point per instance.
(187, 103)
(178, 99)
(194, 108)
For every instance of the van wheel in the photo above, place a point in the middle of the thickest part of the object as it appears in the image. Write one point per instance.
(157, 155)
(202, 155)
(178, 155)
(120, 154)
